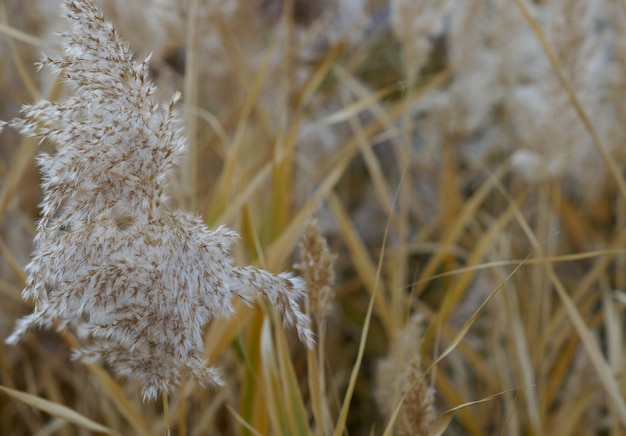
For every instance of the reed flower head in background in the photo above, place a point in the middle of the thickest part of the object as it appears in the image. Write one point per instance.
(136, 281)
(400, 377)
(317, 269)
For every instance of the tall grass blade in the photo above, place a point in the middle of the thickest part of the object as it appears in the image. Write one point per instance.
(58, 410)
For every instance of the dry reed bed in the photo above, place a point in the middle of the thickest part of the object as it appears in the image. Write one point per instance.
(464, 161)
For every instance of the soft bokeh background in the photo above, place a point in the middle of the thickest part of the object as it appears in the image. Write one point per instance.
(454, 152)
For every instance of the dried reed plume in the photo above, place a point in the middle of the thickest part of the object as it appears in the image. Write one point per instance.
(316, 267)
(136, 281)
(400, 378)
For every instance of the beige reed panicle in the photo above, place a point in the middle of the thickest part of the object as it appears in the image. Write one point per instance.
(400, 378)
(317, 268)
(135, 280)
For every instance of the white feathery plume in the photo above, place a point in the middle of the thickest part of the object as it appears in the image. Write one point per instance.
(136, 281)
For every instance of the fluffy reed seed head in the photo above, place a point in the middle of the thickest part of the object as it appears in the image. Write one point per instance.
(317, 269)
(135, 280)
(400, 375)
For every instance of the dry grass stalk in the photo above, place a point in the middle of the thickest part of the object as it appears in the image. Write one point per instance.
(136, 280)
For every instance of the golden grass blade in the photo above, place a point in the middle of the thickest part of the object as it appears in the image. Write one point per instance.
(292, 394)
(223, 331)
(229, 40)
(119, 399)
(227, 176)
(56, 426)
(584, 288)
(113, 390)
(50, 388)
(22, 161)
(315, 391)
(284, 244)
(13, 263)
(166, 414)
(343, 414)
(447, 388)
(10, 291)
(615, 341)
(190, 89)
(381, 187)
(211, 414)
(180, 410)
(216, 126)
(473, 358)
(57, 410)
(24, 37)
(278, 410)
(600, 364)
(524, 357)
(280, 203)
(460, 286)
(382, 114)
(319, 74)
(620, 296)
(243, 422)
(284, 149)
(614, 331)
(560, 370)
(254, 398)
(586, 335)
(449, 391)
(536, 261)
(567, 419)
(333, 169)
(464, 216)
(362, 262)
(461, 333)
(443, 422)
(350, 111)
(27, 81)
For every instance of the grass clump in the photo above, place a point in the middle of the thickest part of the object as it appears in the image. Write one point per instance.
(464, 272)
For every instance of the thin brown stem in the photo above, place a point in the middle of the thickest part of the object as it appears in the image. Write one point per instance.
(166, 414)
